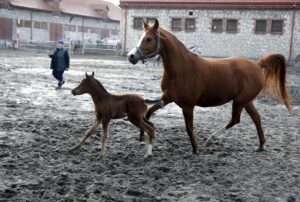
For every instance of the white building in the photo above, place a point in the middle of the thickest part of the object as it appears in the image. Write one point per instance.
(50, 20)
(221, 28)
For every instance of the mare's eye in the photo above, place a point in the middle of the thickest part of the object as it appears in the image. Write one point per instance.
(148, 39)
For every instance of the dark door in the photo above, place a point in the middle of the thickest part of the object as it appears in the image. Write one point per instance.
(55, 31)
(6, 28)
(104, 33)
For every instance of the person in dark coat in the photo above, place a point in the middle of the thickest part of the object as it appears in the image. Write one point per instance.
(60, 61)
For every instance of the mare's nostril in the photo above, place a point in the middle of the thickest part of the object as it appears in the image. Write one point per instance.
(131, 56)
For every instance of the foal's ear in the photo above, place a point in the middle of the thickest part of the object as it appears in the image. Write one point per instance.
(86, 75)
(92, 75)
(145, 25)
(156, 25)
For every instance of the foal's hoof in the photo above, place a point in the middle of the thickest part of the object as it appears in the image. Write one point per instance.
(260, 149)
(195, 152)
(147, 156)
(73, 148)
(142, 143)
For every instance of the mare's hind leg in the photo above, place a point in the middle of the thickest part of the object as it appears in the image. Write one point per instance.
(235, 119)
(88, 133)
(163, 102)
(251, 110)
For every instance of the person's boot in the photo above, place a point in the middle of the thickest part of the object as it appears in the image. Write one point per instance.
(59, 85)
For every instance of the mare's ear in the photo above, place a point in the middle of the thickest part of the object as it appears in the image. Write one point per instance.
(93, 74)
(145, 25)
(156, 25)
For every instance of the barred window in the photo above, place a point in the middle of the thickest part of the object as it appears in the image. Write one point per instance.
(24, 23)
(261, 26)
(151, 20)
(232, 25)
(190, 24)
(83, 29)
(114, 32)
(94, 30)
(176, 24)
(138, 23)
(277, 26)
(40, 25)
(70, 28)
(217, 25)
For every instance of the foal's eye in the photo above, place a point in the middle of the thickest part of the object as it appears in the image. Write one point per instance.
(148, 39)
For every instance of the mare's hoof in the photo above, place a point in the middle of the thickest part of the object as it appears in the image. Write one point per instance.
(147, 156)
(73, 148)
(142, 143)
(260, 149)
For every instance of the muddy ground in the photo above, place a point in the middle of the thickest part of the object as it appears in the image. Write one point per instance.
(39, 124)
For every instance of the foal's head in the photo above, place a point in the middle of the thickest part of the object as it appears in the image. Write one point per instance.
(85, 86)
(148, 45)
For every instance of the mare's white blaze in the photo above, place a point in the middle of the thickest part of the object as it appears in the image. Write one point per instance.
(141, 39)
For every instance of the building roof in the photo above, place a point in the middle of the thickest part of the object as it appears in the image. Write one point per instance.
(212, 4)
(90, 8)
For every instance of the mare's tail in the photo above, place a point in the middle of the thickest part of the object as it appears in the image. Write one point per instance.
(274, 67)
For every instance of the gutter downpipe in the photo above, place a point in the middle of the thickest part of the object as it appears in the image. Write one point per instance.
(125, 31)
(292, 34)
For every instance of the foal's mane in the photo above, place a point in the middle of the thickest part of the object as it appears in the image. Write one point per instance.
(99, 84)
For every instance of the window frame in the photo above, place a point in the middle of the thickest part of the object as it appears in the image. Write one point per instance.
(266, 26)
(236, 25)
(186, 23)
(271, 26)
(176, 28)
(214, 20)
(136, 25)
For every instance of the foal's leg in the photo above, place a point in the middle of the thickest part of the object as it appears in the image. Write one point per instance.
(146, 126)
(235, 119)
(163, 102)
(188, 117)
(88, 133)
(105, 122)
(251, 110)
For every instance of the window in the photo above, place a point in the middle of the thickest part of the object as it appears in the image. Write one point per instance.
(190, 24)
(217, 25)
(40, 25)
(94, 30)
(24, 23)
(83, 29)
(277, 26)
(138, 23)
(114, 32)
(176, 24)
(151, 20)
(231, 26)
(261, 26)
(70, 28)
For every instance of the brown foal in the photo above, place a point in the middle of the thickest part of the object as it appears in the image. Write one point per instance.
(109, 106)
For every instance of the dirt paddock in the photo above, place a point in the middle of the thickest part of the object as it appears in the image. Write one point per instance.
(39, 124)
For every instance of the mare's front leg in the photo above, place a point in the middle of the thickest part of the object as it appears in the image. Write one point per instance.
(88, 133)
(105, 122)
(188, 118)
(163, 102)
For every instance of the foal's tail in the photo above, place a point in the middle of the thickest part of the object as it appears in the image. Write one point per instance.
(274, 67)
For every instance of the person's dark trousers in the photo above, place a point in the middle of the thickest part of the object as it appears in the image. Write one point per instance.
(59, 76)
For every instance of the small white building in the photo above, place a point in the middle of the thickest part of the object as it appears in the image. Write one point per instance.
(220, 28)
(50, 20)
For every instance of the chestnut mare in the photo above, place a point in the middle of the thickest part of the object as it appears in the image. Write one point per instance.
(189, 80)
(108, 106)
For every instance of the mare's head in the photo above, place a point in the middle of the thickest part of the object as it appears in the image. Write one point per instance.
(148, 45)
(85, 85)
